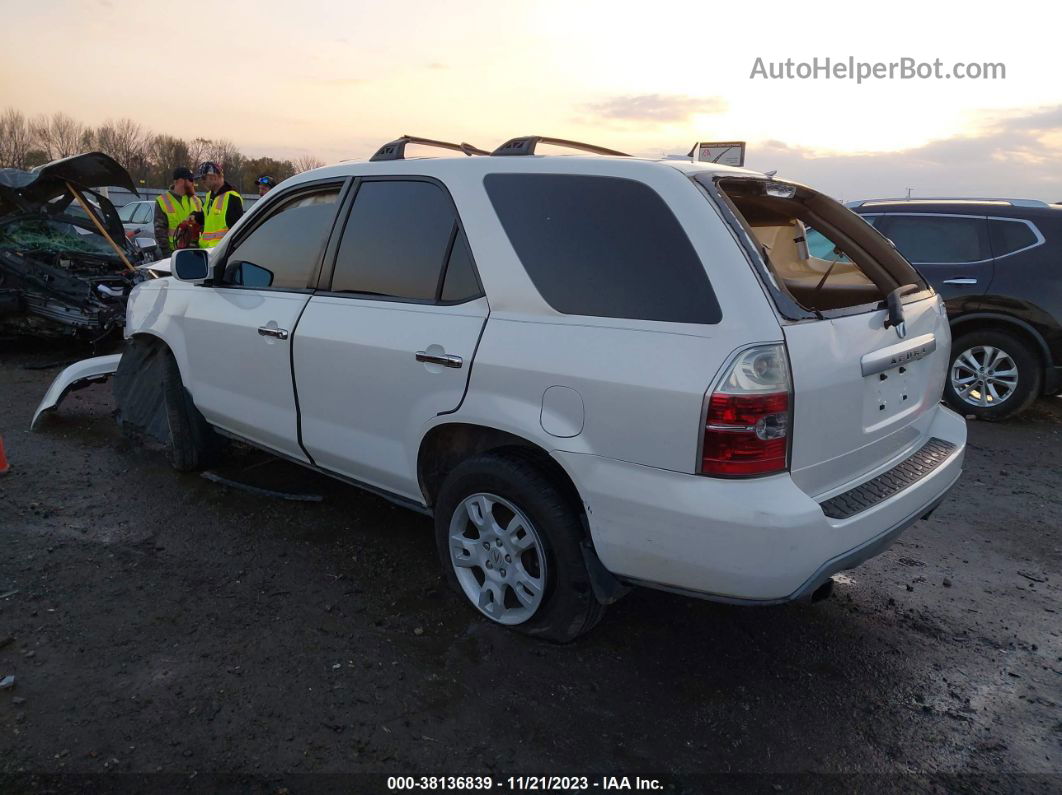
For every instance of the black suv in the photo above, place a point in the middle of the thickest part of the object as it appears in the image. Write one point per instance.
(998, 265)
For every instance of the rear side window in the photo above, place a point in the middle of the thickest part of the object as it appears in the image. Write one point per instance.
(1010, 236)
(283, 250)
(938, 239)
(603, 246)
(396, 241)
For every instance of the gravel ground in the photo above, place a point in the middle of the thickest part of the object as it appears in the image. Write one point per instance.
(183, 633)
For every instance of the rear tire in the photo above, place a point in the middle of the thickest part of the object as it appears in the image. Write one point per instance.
(992, 375)
(509, 540)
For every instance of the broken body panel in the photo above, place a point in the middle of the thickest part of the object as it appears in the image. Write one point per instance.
(76, 376)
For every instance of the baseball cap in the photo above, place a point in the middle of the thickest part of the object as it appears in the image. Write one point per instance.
(207, 168)
(266, 180)
(182, 173)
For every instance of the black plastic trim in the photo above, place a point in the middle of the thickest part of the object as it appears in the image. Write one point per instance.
(402, 502)
(902, 476)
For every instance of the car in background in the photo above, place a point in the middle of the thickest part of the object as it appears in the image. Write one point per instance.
(138, 218)
(64, 273)
(998, 265)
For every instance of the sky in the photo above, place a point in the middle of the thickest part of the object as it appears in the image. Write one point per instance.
(336, 80)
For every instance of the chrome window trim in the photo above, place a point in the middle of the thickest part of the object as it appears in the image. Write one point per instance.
(1040, 240)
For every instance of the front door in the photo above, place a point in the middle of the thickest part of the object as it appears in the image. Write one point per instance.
(239, 330)
(950, 251)
(387, 343)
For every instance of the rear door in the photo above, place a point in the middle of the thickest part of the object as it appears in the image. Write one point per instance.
(865, 390)
(951, 251)
(387, 343)
(863, 393)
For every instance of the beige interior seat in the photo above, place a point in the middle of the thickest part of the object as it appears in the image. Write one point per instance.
(801, 273)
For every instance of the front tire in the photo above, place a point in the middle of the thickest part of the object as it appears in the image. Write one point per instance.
(193, 443)
(509, 540)
(992, 375)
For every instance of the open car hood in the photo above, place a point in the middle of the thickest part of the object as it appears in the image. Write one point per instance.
(26, 191)
(45, 191)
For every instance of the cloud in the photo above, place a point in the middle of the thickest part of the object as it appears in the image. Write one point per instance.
(656, 108)
(1017, 155)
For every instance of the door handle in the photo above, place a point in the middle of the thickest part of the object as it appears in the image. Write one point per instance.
(960, 281)
(445, 359)
(270, 331)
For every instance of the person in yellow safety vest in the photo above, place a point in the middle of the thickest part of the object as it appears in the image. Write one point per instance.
(173, 207)
(222, 207)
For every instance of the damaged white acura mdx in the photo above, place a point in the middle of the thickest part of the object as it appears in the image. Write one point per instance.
(592, 371)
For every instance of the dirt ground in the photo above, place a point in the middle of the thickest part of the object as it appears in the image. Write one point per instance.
(189, 635)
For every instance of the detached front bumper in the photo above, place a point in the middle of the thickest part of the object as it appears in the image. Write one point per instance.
(757, 541)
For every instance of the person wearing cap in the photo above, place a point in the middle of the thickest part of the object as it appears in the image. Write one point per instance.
(221, 209)
(265, 184)
(174, 206)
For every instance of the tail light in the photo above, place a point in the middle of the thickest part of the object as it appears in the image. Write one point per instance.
(747, 417)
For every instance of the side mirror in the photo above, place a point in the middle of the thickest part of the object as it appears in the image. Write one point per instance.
(190, 265)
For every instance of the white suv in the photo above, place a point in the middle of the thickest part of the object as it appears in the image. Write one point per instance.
(592, 371)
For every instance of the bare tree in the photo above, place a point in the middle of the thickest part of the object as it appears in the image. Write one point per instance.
(306, 163)
(58, 135)
(125, 141)
(166, 153)
(15, 139)
(197, 151)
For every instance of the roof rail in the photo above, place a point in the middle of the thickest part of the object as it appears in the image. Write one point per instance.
(396, 149)
(526, 146)
(930, 199)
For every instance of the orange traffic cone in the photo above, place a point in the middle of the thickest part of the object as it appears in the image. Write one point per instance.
(4, 466)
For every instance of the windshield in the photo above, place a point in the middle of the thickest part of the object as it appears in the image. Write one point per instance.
(54, 237)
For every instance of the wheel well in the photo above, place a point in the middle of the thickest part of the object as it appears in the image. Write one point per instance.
(446, 446)
(147, 337)
(964, 326)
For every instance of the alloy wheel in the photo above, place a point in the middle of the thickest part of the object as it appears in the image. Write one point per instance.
(498, 558)
(984, 376)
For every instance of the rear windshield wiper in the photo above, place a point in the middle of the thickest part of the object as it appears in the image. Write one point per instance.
(894, 303)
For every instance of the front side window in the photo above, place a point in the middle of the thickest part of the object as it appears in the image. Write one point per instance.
(1010, 236)
(125, 214)
(938, 239)
(283, 251)
(396, 242)
(603, 247)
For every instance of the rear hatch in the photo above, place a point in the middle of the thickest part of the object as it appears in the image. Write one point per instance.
(868, 340)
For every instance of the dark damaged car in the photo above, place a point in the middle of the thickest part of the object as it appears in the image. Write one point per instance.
(66, 265)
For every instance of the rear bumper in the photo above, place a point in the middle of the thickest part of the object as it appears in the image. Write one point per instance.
(759, 541)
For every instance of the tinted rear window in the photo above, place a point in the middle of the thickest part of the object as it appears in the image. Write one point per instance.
(938, 239)
(1009, 236)
(603, 246)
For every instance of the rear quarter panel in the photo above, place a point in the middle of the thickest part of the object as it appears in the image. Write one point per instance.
(642, 383)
